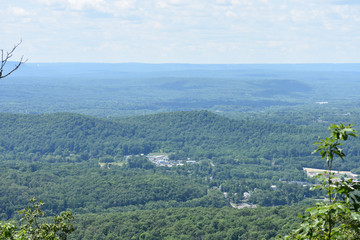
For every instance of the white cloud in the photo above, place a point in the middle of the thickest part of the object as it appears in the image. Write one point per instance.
(125, 4)
(51, 2)
(230, 14)
(83, 4)
(19, 12)
(242, 2)
(222, 2)
(187, 30)
(169, 3)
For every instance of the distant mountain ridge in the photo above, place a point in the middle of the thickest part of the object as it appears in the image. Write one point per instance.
(134, 88)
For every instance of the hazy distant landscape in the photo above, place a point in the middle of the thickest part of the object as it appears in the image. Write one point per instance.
(112, 90)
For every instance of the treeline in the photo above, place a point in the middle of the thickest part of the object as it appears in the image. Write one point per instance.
(194, 134)
(83, 188)
(189, 223)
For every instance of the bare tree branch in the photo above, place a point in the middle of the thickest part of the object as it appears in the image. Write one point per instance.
(5, 59)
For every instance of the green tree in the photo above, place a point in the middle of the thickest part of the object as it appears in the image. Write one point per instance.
(338, 217)
(140, 162)
(33, 228)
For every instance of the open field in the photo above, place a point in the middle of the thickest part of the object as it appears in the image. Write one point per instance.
(313, 172)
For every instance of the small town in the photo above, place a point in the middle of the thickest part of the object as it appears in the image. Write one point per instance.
(164, 161)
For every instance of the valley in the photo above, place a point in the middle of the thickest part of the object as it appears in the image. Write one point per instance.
(172, 151)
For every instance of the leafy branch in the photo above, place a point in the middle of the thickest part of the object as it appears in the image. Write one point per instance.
(32, 229)
(338, 218)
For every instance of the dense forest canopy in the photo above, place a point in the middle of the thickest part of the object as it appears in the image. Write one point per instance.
(194, 134)
(56, 157)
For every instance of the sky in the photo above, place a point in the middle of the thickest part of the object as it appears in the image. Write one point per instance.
(182, 31)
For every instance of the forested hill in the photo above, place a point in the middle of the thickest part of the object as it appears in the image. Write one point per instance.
(205, 134)
(194, 134)
(55, 157)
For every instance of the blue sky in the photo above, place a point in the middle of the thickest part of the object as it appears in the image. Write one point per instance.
(183, 31)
